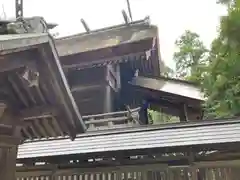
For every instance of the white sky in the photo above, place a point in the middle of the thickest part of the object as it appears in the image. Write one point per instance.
(172, 17)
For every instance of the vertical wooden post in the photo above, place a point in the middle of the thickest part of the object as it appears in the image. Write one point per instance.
(183, 113)
(8, 163)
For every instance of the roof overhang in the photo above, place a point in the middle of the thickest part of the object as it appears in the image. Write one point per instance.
(116, 44)
(175, 88)
(34, 82)
(170, 95)
(5, 22)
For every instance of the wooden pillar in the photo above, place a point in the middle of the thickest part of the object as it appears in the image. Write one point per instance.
(107, 99)
(8, 163)
(183, 113)
(8, 151)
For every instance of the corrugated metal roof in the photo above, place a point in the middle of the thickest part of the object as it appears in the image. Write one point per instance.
(149, 138)
(170, 86)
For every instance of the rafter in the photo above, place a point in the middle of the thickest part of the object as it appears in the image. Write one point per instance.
(38, 112)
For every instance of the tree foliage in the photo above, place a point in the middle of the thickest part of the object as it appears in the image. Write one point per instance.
(222, 78)
(219, 71)
(190, 56)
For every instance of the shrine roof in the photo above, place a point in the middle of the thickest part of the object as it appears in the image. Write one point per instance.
(106, 37)
(146, 137)
(135, 42)
(174, 87)
(34, 87)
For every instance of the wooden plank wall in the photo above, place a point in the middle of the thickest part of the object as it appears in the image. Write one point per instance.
(136, 173)
(125, 173)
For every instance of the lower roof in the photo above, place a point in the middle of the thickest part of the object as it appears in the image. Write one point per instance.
(174, 87)
(178, 135)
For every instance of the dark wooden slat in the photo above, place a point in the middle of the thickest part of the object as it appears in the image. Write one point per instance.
(36, 134)
(17, 60)
(115, 119)
(38, 112)
(27, 89)
(57, 126)
(48, 127)
(97, 60)
(25, 131)
(40, 128)
(18, 91)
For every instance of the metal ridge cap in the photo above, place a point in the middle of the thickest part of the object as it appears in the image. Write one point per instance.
(139, 22)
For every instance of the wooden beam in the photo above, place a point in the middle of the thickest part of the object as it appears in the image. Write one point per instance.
(40, 128)
(17, 60)
(36, 133)
(98, 62)
(77, 88)
(18, 91)
(6, 129)
(57, 126)
(25, 131)
(214, 164)
(48, 127)
(9, 141)
(38, 112)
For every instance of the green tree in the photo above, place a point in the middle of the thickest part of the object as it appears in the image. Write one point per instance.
(190, 56)
(222, 78)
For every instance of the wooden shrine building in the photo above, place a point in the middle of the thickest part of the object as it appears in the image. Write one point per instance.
(109, 72)
(98, 64)
(46, 85)
(36, 101)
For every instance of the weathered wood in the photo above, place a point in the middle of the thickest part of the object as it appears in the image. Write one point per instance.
(8, 163)
(112, 173)
(98, 62)
(8, 151)
(117, 120)
(106, 120)
(49, 128)
(57, 126)
(40, 128)
(24, 59)
(183, 113)
(43, 111)
(228, 163)
(18, 91)
(59, 85)
(109, 114)
(9, 141)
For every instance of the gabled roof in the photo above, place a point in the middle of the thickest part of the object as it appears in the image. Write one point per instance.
(34, 86)
(135, 42)
(106, 37)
